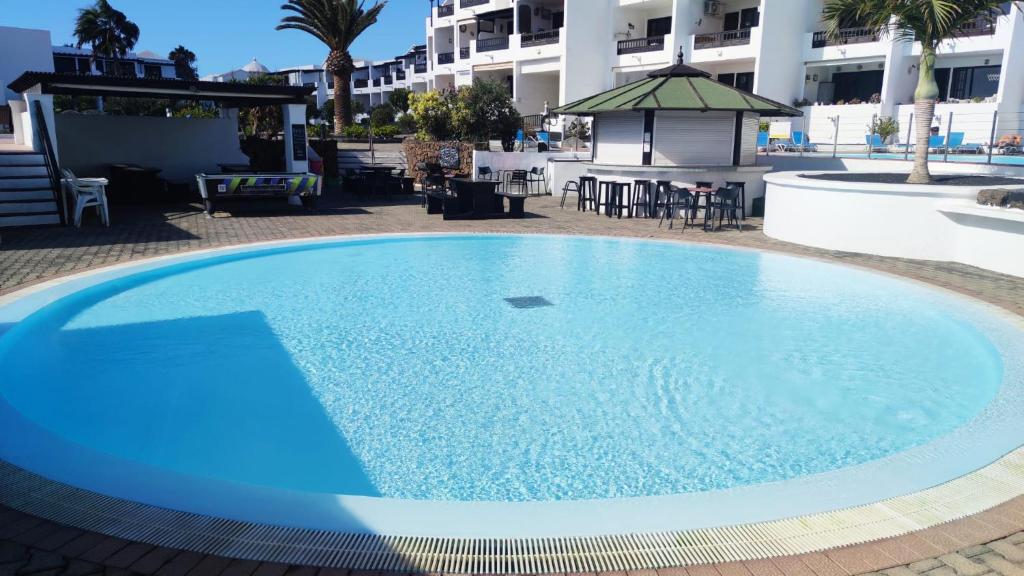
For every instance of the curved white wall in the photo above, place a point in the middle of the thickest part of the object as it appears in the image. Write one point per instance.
(942, 223)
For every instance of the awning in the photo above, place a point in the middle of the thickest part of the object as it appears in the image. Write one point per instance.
(228, 93)
(493, 66)
(678, 87)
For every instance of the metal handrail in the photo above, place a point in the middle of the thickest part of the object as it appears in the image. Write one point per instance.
(539, 38)
(861, 35)
(446, 58)
(722, 39)
(471, 3)
(489, 44)
(50, 159)
(637, 45)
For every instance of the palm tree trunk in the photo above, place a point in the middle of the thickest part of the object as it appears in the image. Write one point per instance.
(924, 110)
(342, 101)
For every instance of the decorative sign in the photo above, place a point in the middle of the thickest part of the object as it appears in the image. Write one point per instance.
(299, 142)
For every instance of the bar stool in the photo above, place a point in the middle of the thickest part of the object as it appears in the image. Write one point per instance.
(662, 196)
(588, 194)
(621, 196)
(641, 199)
(710, 186)
(606, 190)
(743, 196)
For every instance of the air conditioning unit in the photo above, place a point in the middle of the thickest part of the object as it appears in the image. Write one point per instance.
(712, 7)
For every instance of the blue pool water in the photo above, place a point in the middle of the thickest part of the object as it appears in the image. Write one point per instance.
(397, 368)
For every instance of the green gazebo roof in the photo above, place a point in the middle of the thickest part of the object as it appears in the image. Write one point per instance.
(678, 87)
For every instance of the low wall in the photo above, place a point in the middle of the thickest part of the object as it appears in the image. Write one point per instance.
(942, 223)
(795, 162)
(417, 151)
(180, 147)
(526, 161)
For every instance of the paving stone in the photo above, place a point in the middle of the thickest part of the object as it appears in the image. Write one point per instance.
(10, 568)
(103, 549)
(80, 545)
(12, 552)
(180, 565)
(975, 551)
(153, 560)
(899, 571)
(1017, 538)
(42, 561)
(210, 566)
(963, 566)
(128, 555)
(941, 571)
(58, 539)
(1007, 550)
(1001, 565)
(240, 568)
(77, 567)
(270, 569)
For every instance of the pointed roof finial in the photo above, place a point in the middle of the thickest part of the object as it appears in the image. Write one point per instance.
(680, 57)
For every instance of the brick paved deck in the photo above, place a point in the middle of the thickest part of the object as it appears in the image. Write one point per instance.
(988, 543)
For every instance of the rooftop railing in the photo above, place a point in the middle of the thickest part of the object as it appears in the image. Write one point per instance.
(491, 44)
(539, 38)
(722, 39)
(638, 45)
(846, 36)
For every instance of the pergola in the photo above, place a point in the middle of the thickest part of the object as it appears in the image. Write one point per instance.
(41, 87)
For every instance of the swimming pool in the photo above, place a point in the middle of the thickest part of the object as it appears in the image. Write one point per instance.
(564, 385)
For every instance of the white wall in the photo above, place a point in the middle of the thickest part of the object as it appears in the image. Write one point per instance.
(781, 78)
(942, 223)
(181, 147)
(22, 50)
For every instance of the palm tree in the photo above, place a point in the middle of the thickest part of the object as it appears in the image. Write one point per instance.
(336, 23)
(929, 22)
(184, 63)
(107, 31)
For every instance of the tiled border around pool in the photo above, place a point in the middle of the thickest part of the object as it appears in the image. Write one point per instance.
(658, 547)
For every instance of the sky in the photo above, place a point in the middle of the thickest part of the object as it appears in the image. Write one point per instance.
(226, 34)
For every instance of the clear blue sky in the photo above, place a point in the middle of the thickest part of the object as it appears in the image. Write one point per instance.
(226, 34)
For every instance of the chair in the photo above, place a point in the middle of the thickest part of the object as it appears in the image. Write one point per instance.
(725, 203)
(570, 186)
(957, 145)
(936, 143)
(485, 173)
(536, 176)
(87, 193)
(800, 142)
(682, 201)
(874, 143)
(588, 194)
(518, 179)
(763, 141)
(743, 196)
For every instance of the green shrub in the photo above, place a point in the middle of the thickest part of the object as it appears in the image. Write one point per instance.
(406, 124)
(354, 131)
(383, 115)
(384, 132)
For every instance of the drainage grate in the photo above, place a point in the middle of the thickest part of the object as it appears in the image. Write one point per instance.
(526, 302)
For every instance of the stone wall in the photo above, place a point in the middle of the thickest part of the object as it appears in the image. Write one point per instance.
(417, 151)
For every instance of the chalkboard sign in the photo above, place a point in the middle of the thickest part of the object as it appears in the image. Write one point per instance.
(298, 142)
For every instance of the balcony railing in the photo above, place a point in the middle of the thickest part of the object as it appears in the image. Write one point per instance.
(464, 52)
(539, 38)
(491, 44)
(471, 3)
(376, 81)
(721, 39)
(389, 80)
(978, 28)
(638, 45)
(420, 68)
(446, 10)
(446, 58)
(399, 74)
(846, 36)
(361, 83)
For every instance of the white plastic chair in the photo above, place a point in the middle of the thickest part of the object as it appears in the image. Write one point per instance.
(87, 192)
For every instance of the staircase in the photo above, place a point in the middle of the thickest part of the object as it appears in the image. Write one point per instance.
(26, 195)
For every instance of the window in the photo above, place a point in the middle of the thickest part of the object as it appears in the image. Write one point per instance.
(746, 18)
(942, 79)
(152, 71)
(659, 26)
(743, 81)
(558, 20)
(65, 65)
(859, 85)
(976, 82)
(728, 79)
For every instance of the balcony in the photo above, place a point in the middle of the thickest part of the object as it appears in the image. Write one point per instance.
(492, 44)
(446, 58)
(640, 45)
(388, 80)
(420, 68)
(721, 39)
(471, 3)
(978, 28)
(540, 39)
(376, 82)
(361, 83)
(399, 75)
(846, 36)
(446, 10)
(464, 53)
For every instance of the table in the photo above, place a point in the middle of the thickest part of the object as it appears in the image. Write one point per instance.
(476, 199)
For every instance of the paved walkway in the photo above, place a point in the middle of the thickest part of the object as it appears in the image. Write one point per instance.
(988, 543)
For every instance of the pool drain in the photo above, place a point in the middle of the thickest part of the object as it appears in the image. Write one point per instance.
(527, 302)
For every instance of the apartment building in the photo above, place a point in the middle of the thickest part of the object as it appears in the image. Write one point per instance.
(557, 51)
(374, 81)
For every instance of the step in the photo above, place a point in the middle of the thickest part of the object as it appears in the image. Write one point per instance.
(36, 194)
(21, 158)
(24, 183)
(15, 171)
(28, 207)
(30, 220)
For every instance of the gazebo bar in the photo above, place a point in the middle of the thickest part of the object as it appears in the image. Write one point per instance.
(679, 125)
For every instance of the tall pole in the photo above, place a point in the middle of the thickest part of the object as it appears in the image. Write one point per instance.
(992, 137)
(949, 132)
(906, 147)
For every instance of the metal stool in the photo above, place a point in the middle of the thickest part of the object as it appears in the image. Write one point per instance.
(607, 188)
(641, 199)
(621, 198)
(588, 194)
(662, 196)
(743, 196)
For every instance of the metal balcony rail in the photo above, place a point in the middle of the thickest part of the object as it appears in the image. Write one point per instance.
(721, 39)
(539, 38)
(464, 52)
(638, 45)
(846, 36)
(446, 58)
(471, 3)
(490, 44)
(978, 28)
(446, 10)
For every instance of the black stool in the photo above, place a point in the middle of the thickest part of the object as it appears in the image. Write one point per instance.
(641, 199)
(588, 194)
(621, 197)
(662, 196)
(607, 188)
(743, 196)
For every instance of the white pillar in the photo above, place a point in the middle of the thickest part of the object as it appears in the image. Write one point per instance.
(33, 136)
(295, 156)
(17, 110)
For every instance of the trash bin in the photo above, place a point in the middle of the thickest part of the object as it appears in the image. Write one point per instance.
(757, 210)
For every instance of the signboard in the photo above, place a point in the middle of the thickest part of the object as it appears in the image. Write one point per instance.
(299, 142)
